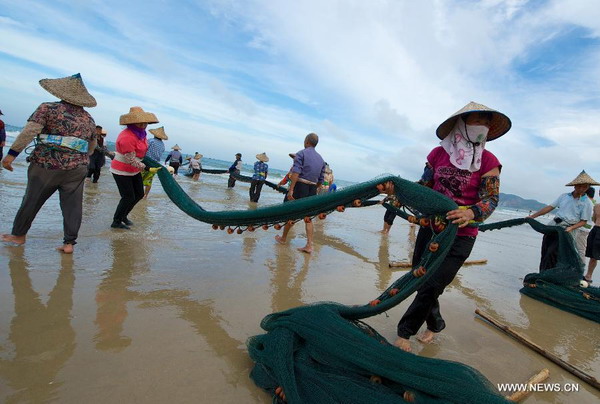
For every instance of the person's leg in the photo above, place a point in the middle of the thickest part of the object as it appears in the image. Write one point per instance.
(388, 221)
(176, 168)
(41, 184)
(258, 189)
(580, 238)
(127, 193)
(138, 194)
(96, 175)
(71, 205)
(90, 171)
(252, 190)
(425, 306)
(590, 269)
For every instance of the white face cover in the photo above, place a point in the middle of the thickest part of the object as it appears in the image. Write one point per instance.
(465, 144)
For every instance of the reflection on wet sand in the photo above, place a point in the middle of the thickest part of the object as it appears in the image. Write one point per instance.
(116, 291)
(113, 294)
(576, 342)
(286, 284)
(41, 334)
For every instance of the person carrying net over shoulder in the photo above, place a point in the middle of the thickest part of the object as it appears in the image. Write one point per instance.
(463, 170)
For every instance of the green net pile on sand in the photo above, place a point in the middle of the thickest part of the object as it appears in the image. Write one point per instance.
(558, 286)
(324, 353)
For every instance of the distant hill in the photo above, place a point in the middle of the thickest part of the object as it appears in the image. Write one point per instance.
(511, 201)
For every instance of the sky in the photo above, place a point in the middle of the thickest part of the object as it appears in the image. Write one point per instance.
(372, 78)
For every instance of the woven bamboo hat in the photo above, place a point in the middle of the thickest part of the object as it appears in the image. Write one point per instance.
(499, 126)
(198, 156)
(583, 178)
(262, 157)
(70, 89)
(176, 147)
(292, 155)
(159, 133)
(137, 115)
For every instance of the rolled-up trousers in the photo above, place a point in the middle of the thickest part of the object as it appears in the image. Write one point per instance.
(41, 184)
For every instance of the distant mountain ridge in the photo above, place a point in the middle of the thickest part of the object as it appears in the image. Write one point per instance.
(511, 201)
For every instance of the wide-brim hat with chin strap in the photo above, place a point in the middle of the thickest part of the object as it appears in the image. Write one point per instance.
(176, 147)
(499, 125)
(159, 133)
(137, 115)
(583, 178)
(70, 89)
(262, 157)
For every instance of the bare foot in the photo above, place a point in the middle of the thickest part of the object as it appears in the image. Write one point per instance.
(9, 238)
(403, 344)
(306, 249)
(384, 232)
(66, 249)
(426, 336)
(279, 239)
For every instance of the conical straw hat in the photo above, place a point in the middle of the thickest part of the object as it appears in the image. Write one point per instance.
(137, 115)
(70, 89)
(198, 156)
(262, 157)
(582, 178)
(499, 126)
(159, 133)
(176, 147)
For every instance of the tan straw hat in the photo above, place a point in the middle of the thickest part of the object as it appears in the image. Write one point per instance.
(198, 156)
(137, 115)
(159, 133)
(292, 155)
(262, 157)
(582, 178)
(70, 89)
(176, 147)
(104, 132)
(499, 125)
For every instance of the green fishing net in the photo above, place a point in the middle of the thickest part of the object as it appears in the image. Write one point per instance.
(558, 286)
(324, 352)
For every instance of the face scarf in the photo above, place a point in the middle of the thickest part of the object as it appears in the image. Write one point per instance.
(465, 144)
(139, 132)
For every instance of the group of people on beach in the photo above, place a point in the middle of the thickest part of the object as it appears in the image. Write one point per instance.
(461, 168)
(70, 148)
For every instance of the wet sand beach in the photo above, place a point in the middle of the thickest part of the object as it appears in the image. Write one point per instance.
(161, 313)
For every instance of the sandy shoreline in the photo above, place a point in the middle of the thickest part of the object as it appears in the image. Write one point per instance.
(162, 313)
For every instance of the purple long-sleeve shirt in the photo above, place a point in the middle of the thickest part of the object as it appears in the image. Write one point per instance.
(309, 165)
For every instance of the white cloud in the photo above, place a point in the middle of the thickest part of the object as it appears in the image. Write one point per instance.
(374, 79)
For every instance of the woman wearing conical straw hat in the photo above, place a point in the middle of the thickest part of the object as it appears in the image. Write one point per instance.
(462, 169)
(261, 171)
(574, 210)
(127, 165)
(65, 136)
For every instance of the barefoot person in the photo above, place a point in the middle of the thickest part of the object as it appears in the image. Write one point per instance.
(131, 147)
(464, 171)
(66, 135)
(307, 175)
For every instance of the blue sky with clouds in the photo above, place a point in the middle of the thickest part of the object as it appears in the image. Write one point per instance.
(372, 78)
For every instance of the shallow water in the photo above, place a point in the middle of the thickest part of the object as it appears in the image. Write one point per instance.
(161, 313)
